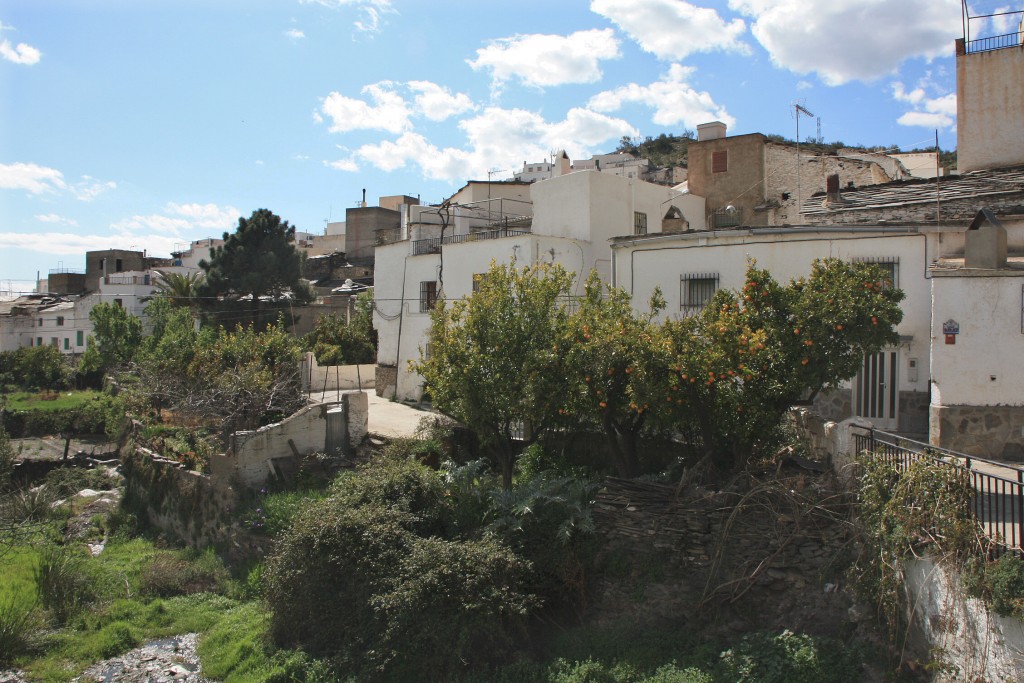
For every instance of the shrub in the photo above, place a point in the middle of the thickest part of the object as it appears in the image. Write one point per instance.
(63, 581)
(170, 574)
(17, 624)
(115, 638)
(67, 481)
(367, 576)
(789, 658)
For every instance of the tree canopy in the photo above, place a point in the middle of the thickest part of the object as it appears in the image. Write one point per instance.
(493, 359)
(256, 270)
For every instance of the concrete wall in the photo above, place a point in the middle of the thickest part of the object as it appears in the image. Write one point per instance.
(990, 108)
(248, 461)
(316, 377)
(361, 225)
(975, 643)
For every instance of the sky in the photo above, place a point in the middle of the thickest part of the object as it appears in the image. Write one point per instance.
(145, 125)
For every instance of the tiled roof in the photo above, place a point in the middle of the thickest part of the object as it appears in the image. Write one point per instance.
(988, 183)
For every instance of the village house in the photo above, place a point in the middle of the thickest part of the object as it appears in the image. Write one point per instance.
(443, 250)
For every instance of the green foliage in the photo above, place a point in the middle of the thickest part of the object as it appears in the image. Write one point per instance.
(789, 658)
(82, 413)
(494, 365)
(615, 362)
(739, 365)
(64, 582)
(999, 583)
(368, 575)
(254, 273)
(169, 574)
(67, 481)
(336, 342)
(6, 460)
(34, 367)
(904, 512)
(178, 289)
(116, 336)
(18, 623)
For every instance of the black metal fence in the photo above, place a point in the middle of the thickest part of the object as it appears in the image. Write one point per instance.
(993, 43)
(999, 499)
(433, 245)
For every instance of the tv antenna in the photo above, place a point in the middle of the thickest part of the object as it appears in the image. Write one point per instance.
(799, 109)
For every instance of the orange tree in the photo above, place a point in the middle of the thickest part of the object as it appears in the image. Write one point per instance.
(615, 362)
(493, 361)
(741, 363)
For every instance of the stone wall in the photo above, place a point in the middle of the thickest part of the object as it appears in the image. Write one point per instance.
(986, 431)
(386, 380)
(320, 378)
(250, 460)
(189, 506)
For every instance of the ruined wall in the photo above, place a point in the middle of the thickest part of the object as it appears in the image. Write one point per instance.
(249, 460)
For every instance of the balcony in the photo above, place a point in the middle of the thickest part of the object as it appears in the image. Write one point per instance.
(433, 245)
(993, 43)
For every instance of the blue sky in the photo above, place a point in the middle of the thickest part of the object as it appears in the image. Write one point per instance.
(149, 124)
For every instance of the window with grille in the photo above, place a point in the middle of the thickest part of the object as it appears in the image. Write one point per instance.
(720, 161)
(889, 264)
(695, 291)
(639, 223)
(428, 295)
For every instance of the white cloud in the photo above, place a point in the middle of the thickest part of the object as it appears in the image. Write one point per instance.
(804, 85)
(72, 244)
(929, 112)
(547, 60)
(32, 177)
(88, 188)
(38, 179)
(349, 165)
(496, 137)
(926, 120)
(56, 218)
(372, 11)
(182, 218)
(673, 29)
(295, 34)
(389, 110)
(845, 40)
(674, 101)
(20, 53)
(437, 103)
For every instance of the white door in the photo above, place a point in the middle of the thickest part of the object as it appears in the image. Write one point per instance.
(876, 394)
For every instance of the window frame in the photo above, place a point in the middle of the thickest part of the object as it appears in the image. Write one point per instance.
(697, 285)
(639, 223)
(428, 295)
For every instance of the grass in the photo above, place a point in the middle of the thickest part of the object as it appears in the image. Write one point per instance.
(50, 400)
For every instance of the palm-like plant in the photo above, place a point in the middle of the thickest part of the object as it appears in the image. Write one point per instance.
(181, 289)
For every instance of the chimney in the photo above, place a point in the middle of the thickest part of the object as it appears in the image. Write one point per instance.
(832, 195)
(363, 203)
(985, 242)
(714, 130)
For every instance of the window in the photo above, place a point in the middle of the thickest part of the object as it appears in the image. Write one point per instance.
(639, 223)
(39, 341)
(67, 344)
(428, 295)
(60, 320)
(695, 291)
(119, 303)
(720, 161)
(889, 264)
(40, 322)
(79, 338)
(478, 279)
(117, 265)
(54, 342)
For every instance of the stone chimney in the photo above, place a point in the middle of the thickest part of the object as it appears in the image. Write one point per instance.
(714, 130)
(832, 196)
(985, 242)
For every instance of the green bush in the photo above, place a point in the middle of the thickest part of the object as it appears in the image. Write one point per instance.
(171, 573)
(34, 367)
(67, 481)
(368, 577)
(790, 658)
(64, 582)
(999, 583)
(116, 638)
(18, 623)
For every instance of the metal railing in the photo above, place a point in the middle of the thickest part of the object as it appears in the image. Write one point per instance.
(433, 245)
(993, 43)
(998, 503)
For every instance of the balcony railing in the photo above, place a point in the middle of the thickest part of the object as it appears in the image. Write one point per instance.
(994, 43)
(67, 271)
(433, 245)
(126, 280)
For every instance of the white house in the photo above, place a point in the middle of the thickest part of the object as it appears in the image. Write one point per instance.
(567, 220)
